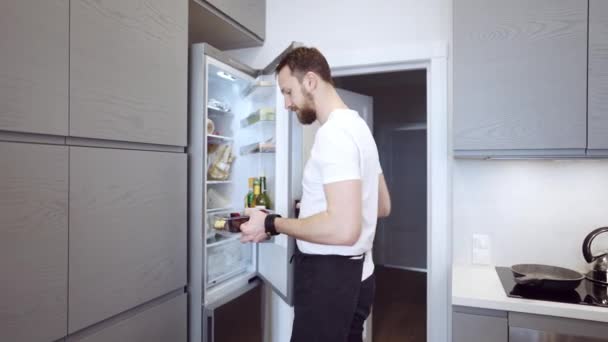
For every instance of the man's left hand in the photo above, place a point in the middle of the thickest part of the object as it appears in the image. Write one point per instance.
(254, 230)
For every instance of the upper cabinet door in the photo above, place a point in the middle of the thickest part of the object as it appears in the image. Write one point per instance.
(34, 66)
(228, 24)
(128, 230)
(249, 13)
(128, 70)
(598, 76)
(33, 242)
(520, 76)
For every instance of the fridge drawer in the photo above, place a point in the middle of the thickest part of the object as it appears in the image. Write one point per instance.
(228, 258)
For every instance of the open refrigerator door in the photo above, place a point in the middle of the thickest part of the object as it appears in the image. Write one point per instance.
(239, 136)
(274, 256)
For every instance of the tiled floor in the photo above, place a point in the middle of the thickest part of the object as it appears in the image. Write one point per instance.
(399, 312)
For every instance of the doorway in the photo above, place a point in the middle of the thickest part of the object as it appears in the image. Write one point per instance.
(433, 59)
(394, 104)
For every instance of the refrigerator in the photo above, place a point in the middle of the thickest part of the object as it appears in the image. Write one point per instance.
(238, 128)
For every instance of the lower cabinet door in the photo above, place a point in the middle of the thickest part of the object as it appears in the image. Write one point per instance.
(128, 231)
(165, 322)
(33, 242)
(476, 325)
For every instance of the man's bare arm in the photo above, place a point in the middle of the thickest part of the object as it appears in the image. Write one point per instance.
(340, 224)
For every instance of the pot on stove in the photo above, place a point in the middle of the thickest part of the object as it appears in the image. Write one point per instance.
(599, 263)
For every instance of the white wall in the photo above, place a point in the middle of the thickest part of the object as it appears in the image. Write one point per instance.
(336, 24)
(339, 24)
(535, 211)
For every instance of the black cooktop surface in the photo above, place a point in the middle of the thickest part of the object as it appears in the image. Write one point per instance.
(587, 293)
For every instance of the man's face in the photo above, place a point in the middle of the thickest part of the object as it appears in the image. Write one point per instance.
(297, 98)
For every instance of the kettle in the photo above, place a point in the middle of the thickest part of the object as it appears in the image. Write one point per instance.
(599, 263)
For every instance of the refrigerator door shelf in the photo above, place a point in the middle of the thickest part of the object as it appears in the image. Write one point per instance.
(261, 147)
(260, 90)
(260, 115)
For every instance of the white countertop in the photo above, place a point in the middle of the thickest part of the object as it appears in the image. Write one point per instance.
(480, 287)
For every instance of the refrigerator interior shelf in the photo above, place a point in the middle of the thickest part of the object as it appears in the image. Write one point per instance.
(211, 111)
(211, 182)
(259, 147)
(218, 138)
(262, 114)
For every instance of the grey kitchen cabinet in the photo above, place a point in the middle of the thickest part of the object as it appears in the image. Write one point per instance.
(479, 325)
(228, 24)
(128, 230)
(128, 70)
(249, 13)
(524, 327)
(164, 322)
(598, 77)
(34, 42)
(33, 242)
(520, 77)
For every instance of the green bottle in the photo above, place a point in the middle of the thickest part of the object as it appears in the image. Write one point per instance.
(263, 200)
(249, 198)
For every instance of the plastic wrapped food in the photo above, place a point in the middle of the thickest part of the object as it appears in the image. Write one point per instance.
(220, 166)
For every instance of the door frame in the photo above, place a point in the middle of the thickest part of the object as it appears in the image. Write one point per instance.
(432, 58)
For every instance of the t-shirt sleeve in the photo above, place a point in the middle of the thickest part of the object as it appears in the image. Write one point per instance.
(338, 156)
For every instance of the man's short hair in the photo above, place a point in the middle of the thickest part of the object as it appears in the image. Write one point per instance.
(304, 59)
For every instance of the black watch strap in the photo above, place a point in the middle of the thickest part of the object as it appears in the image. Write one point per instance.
(269, 224)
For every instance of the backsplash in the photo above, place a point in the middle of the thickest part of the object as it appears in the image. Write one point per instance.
(535, 211)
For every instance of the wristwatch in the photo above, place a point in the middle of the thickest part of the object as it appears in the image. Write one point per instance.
(269, 225)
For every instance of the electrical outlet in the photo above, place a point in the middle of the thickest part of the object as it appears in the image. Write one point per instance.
(482, 249)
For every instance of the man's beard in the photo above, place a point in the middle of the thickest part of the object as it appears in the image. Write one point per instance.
(307, 114)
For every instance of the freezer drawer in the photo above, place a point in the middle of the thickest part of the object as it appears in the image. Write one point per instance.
(531, 335)
(227, 258)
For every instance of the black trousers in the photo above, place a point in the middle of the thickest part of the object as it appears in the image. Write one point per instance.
(331, 303)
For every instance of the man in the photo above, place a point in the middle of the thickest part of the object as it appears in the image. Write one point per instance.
(344, 192)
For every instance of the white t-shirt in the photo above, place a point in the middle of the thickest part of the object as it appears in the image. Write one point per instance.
(344, 149)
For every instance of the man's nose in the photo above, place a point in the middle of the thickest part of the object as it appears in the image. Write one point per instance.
(288, 104)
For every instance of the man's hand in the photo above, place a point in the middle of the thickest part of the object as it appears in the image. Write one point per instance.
(254, 230)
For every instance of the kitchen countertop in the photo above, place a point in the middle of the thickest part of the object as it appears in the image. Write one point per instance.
(480, 287)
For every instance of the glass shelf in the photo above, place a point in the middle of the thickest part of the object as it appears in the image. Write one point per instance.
(211, 182)
(218, 138)
(221, 238)
(219, 210)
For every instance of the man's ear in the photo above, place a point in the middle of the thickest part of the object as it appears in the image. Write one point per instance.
(311, 81)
